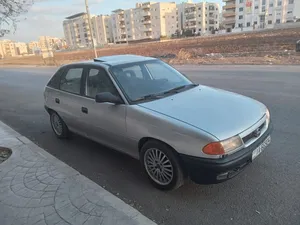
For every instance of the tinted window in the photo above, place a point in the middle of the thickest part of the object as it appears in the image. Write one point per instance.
(55, 80)
(71, 80)
(98, 81)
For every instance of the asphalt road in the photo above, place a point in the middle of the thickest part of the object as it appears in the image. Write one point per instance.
(267, 192)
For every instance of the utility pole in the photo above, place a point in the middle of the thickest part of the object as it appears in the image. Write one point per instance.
(90, 27)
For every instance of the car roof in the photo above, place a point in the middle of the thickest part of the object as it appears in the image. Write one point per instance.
(114, 60)
(121, 59)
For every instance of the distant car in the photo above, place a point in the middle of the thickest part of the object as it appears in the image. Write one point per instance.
(145, 108)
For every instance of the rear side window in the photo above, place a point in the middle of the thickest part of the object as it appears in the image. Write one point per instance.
(55, 80)
(71, 80)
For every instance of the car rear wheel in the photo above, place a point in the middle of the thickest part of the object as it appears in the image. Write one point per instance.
(59, 127)
(161, 165)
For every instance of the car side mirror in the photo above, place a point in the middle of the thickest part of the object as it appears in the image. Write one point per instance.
(107, 97)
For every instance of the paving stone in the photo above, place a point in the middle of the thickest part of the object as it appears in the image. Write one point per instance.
(52, 187)
(49, 210)
(38, 189)
(53, 219)
(34, 219)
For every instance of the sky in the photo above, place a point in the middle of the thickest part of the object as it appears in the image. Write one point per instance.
(45, 17)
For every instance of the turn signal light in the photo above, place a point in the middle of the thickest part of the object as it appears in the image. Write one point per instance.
(214, 148)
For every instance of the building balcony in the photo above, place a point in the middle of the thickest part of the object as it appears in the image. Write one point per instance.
(191, 26)
(147, 22)
(122, 25)
(191, 18)
(227, 14)
(146, 13)
(147, 29)
(146, 6)
(229, 21)
(229, 6)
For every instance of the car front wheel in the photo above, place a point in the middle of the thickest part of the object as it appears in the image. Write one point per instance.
(161, 165)
(59, 127)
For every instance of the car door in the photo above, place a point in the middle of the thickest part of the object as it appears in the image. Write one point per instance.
(69, 98)
(104, 122)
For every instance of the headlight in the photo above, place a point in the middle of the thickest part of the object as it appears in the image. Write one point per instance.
(268, 116)
(223, 147)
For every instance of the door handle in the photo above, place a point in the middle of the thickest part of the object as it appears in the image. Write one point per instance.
(84, 110)
(57, 100)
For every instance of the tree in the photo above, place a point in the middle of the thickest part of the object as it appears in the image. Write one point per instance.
(10, 10)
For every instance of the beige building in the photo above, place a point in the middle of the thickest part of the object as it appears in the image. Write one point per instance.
(46, 42)
(102, 29)
(33, 46)
(199, 18)
(229, 14)
(76, 30)
(149, 20)
(21, 48)
(7, 49)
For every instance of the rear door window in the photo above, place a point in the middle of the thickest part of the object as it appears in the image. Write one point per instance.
(71, 80)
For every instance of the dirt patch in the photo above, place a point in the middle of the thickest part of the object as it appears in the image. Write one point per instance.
(263, 47)
(5, 153)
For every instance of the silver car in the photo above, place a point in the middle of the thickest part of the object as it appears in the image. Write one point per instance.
(143, 107)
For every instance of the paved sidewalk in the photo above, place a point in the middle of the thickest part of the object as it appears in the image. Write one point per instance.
(38, 189)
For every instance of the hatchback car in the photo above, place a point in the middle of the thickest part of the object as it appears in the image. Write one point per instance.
(143, 107)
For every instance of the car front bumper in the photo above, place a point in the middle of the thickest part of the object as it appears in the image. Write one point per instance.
(209, 171)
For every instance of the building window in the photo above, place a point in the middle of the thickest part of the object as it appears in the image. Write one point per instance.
(270, 14)
(279, 3)
(241, 1)
(199, 23)
(269, 21)
(199, 15)
(271, 5)
(263, 2)
(256, 7)
(263, 9)
(291, 1)
(199, 29)
(278, 21)
(211, 8)
(240, 17)
(241, 9)
(248, 24)
(240, 25)
(199, 8)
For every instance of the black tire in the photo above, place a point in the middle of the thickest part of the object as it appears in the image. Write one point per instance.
(64, 129)
(177, 179)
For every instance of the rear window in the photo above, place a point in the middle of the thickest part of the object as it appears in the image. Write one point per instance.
(55, 80)
(71, 80)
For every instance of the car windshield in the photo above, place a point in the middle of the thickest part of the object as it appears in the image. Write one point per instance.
(149, 80)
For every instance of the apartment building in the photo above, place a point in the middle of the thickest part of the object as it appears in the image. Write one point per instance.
(7, 49)
(102, 29)
(33, 46)
(21, 48)
(199, 18)
(266, 13)
(229, 14)
(149, 20)
(76, 30)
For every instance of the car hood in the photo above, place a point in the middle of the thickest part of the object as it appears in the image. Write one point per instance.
(221, 113)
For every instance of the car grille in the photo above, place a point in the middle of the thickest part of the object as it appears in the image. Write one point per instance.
(252, 135)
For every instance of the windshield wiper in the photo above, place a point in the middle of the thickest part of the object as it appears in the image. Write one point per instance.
(175, 90)
(147, 97)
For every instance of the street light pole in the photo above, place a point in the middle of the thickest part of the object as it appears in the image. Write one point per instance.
(90, 27)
